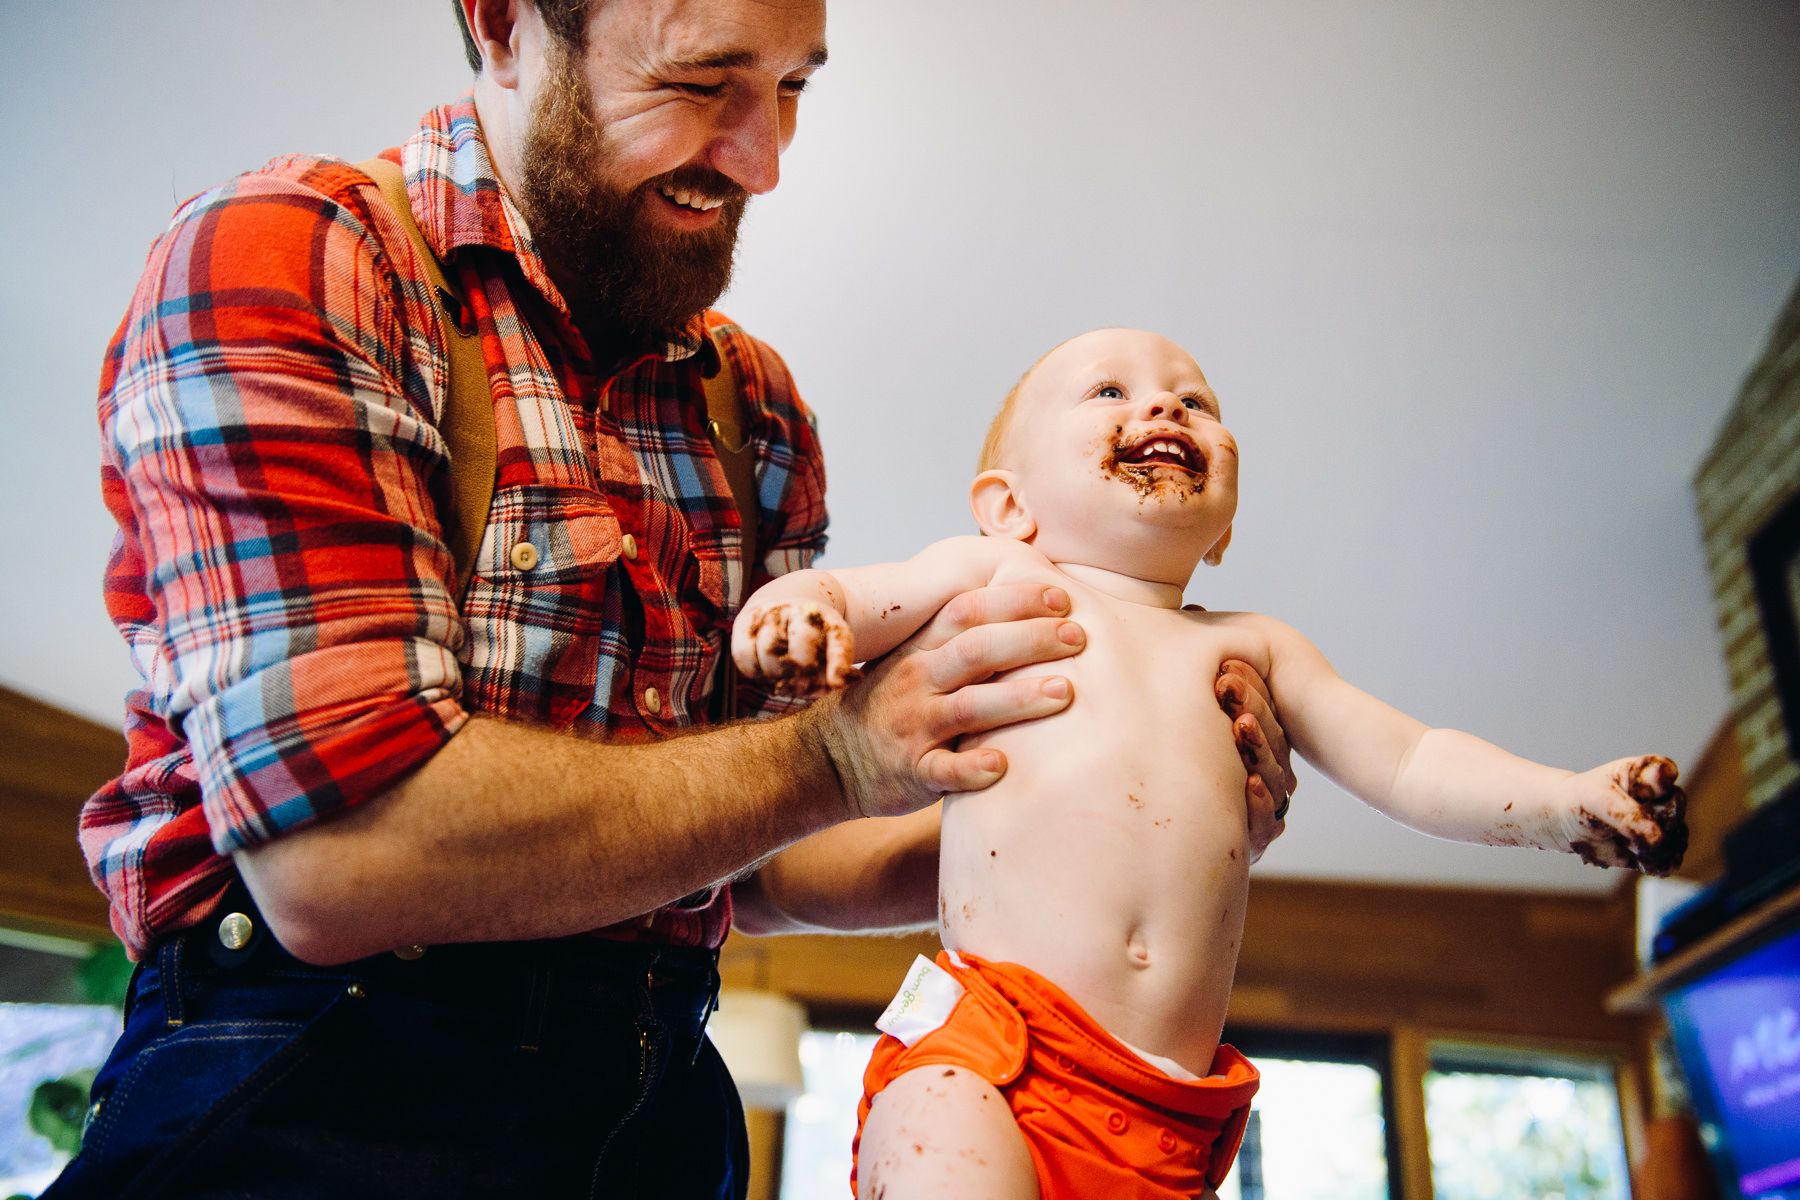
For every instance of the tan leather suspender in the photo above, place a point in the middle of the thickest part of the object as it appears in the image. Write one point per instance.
(724, 409)
(731, 442)
(467, 422)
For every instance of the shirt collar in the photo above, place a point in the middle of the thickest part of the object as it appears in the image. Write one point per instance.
(464, 205)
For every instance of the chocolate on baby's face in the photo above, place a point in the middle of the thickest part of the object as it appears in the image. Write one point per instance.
(1117, 453)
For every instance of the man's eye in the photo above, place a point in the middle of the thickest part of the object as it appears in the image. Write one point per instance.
(706, 90)
(792, 87)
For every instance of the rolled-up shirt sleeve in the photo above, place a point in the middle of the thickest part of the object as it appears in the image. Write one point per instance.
(269, 413)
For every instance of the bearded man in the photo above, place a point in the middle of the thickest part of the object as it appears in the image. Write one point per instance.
(426, 883)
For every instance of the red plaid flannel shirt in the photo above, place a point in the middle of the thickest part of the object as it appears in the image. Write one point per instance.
(267, 411)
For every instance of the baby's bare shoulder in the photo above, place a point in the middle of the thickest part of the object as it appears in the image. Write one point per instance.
(1010, 561)
(1260, 623)
(1246, 635)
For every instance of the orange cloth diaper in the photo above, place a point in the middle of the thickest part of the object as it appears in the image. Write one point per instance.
(1099, 1120)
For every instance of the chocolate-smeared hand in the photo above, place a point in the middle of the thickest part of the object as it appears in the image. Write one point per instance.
(804, 648)
(1263, 747)
(1630, 813)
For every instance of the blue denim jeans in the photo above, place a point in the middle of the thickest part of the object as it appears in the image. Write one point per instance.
(576, 1067)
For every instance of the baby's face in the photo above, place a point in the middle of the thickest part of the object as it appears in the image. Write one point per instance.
(1119, 452)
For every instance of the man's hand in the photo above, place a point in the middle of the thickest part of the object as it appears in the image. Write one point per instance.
(892, 735)
(1263, 746)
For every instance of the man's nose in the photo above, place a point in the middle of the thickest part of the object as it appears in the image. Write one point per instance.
(749, 142)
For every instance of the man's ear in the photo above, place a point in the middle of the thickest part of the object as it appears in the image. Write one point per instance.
(999, 509)
(1216, 555)
(495, 26)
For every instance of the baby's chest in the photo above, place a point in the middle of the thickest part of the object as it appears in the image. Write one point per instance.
(1150, 657)
(1141, 660)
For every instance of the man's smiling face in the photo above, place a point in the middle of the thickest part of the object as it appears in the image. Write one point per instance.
(647, 141)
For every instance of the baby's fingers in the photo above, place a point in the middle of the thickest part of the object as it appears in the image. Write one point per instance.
(771, 634)
(1651, 782)
(1641, 821)
(806, 639)
(1652, 778)
(743, 644)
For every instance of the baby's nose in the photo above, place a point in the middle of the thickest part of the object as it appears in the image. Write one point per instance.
(1166, 405)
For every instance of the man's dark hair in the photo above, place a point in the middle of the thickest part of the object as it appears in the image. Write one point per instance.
(565, 19)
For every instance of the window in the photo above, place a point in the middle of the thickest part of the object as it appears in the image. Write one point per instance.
(58, 1020)
(815, 1156)
(1508, 1123)
(1320, 1124)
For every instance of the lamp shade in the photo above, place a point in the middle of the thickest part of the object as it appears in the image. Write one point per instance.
(758, 1035)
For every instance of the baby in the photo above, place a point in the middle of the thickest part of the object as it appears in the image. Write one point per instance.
(1091, 902)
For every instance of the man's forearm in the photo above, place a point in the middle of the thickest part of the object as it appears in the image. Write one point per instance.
(879, 875)
(510, 832)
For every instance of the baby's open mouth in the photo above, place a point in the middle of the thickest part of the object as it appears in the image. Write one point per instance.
(1162, 451)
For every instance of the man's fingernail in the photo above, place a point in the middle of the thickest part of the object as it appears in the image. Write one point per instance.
(991, 760)
(1069, 634)
(1056, 687)
(1056, 600)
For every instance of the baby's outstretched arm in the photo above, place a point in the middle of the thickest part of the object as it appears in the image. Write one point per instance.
(1627, 813)
(807, 629)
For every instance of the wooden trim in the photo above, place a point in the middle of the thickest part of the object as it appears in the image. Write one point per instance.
(1411, 1059)
(1642, 993)
(54, 761)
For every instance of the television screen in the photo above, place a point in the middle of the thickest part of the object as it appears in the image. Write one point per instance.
(1737, 1033)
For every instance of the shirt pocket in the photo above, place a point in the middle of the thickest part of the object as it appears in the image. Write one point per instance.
(547, 536)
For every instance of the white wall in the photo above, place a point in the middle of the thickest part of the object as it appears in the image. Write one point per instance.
(1475, 283)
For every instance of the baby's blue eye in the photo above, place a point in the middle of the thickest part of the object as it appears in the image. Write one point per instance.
(1192, 402)
(1109, 392)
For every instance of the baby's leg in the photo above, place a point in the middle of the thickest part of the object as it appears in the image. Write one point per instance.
(943, 1131)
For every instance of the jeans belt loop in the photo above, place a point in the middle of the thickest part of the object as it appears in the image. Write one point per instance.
(168, 966)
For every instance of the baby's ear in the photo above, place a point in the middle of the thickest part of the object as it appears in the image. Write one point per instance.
(1216, 555)
(999, 509)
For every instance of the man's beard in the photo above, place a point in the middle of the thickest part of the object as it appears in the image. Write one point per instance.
(619, 273)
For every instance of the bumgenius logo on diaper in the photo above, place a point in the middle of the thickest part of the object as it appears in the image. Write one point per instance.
(922, 1004)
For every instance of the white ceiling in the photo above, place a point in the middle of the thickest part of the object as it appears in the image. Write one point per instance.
(1475, 281)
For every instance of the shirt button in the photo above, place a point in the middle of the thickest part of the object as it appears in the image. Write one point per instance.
(524, 556)
(630, 547)
(652, 701)
(1117, 1121)
(1065, 1062)
(1167, 1141)
(1060, 1092)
